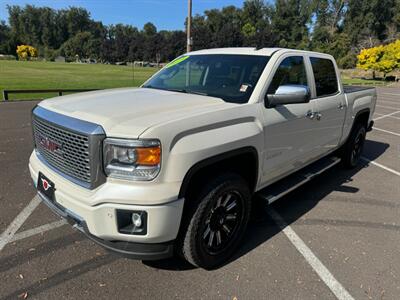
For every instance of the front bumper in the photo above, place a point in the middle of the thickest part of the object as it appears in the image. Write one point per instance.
(94, 212)
(141, 251)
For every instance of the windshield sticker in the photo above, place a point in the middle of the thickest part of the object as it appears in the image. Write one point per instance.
(243, 88)
(176, 61)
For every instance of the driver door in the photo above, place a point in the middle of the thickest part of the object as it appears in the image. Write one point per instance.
(289, 129)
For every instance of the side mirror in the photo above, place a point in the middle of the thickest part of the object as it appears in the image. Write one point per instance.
(289, 94)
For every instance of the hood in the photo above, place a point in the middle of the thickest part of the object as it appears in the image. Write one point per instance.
(128, 112)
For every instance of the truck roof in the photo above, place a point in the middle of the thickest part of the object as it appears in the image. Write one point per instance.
(249, 51)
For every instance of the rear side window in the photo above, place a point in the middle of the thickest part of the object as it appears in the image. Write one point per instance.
(290, 71)
(325, 76)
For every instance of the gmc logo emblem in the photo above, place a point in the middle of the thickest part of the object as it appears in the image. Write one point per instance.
(50, 145)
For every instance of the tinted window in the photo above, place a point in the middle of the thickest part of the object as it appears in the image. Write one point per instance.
(290, 71)
(229, 77)
(325, 76)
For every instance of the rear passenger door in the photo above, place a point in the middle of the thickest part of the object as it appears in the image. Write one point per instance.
(329, 103)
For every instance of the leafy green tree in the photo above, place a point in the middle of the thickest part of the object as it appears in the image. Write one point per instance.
(83, 45)
(5, 39)
(289, 23)
(366, 21)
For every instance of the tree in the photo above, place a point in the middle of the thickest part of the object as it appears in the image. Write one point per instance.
(391, 58)
(289, 23)
(5, 36)
(381, 58)
(256, 20)
(366, 21)
(83, 45)
(26, 52)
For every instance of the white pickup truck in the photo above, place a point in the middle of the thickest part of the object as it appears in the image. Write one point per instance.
(173, 166)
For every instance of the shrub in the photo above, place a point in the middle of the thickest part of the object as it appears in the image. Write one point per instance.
(26, 52)
(381, 58)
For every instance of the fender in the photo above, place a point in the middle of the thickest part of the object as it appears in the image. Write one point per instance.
(215, 159)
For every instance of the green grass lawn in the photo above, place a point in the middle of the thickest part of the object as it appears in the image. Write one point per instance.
(51, 75)
(359, 81)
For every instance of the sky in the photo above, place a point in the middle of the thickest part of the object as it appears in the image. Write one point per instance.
(165, 14)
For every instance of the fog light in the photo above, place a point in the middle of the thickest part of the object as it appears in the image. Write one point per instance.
(132, 221)
(136, 220)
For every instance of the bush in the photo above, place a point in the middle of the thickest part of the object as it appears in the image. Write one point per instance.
(381, 58)
(26, 52)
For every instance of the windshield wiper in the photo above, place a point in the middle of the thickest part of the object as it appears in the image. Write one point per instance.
(186, 91)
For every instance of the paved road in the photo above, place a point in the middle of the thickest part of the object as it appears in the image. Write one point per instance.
(349, 220)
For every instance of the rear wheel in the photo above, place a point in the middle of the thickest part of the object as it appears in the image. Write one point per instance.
(217, 221)
(352, 150)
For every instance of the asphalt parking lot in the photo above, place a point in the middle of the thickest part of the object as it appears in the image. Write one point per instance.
(336, 237)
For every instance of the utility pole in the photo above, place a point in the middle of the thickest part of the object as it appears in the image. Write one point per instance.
(189, 27)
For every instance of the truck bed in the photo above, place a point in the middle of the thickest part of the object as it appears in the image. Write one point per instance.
(355, 88)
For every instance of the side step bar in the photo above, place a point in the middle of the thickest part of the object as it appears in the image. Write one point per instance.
(284, 186)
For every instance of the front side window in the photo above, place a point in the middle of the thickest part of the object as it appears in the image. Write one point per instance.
(290, 71)
(325, 76)
(229, 77)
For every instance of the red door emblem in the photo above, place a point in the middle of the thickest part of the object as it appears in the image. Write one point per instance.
(45, 184)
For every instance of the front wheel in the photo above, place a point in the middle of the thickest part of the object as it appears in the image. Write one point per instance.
(352, 150)
(217, 223)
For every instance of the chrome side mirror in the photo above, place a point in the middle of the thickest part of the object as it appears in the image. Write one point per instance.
(289, 94)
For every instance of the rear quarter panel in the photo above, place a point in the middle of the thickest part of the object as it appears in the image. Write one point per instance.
(358, 101)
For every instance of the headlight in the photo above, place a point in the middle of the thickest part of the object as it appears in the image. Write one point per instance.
(132, 159)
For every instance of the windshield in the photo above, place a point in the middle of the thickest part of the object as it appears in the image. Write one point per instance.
(229, 77)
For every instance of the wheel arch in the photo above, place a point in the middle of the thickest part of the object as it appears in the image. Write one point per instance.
(248, 167)
(362, 116)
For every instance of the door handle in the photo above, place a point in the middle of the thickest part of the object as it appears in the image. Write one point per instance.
(318, 116)
(310, 114)
(340, 106)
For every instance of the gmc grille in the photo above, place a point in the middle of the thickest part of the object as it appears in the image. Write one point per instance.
(74, 151)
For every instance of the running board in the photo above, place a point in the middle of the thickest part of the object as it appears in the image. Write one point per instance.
(284, 186)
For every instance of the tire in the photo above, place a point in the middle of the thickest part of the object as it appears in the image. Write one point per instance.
(216, 221)
(352, 150)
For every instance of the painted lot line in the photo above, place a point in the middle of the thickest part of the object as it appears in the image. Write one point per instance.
(337, 289)
(387, 115)
(386, 131)
(393, 94)
(388, 107)
(8, 234)
(381, 166)
(37, 230)
(392, 100)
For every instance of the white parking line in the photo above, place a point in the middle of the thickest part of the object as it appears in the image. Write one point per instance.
(337, 289)
(37, 230)
(391, 116)
(388, 107)
(381, 166)
(388, 102)
(391, 94)
(387, 115)
(386, 131)
(8, 234)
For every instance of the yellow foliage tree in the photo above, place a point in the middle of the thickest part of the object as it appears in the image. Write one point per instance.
(25, 52)
(381, 58)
